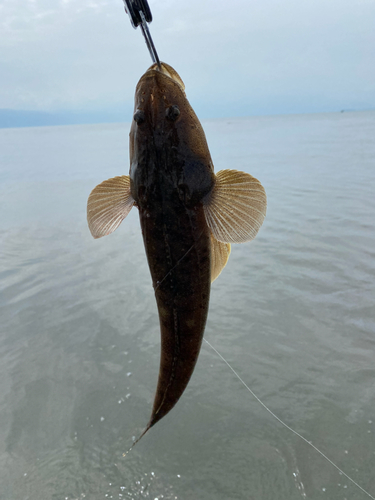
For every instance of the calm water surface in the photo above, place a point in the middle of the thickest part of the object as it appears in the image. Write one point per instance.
(293, 312)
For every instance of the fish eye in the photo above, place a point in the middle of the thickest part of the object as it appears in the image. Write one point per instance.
(139, 116)
(172, 113)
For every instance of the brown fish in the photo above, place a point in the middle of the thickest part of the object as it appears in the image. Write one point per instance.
(189, 216)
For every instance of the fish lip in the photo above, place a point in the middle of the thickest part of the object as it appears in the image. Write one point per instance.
(165, 70)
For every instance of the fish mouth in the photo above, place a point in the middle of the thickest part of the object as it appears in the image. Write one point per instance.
(168, 71)
(159, 88)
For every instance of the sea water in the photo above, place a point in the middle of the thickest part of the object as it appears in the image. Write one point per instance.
(293, 312)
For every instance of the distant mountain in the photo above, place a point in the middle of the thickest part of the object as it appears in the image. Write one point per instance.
(19, 118)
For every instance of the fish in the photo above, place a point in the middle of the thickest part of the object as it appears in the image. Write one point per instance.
(189, 218)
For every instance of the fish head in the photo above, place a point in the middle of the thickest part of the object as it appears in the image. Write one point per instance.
(166, 137)
(158, 97)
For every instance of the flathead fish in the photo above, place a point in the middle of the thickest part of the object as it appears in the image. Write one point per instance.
(189, 217)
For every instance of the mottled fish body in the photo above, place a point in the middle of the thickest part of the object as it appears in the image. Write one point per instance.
(189, 216)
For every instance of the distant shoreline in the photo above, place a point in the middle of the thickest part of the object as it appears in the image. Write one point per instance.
(10, 118)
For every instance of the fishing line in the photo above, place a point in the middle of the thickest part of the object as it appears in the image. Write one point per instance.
(285, 425)
(178, 262)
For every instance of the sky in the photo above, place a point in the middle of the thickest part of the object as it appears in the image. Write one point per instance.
(236, 57)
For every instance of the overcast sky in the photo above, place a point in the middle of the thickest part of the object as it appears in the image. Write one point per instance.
(236, 57)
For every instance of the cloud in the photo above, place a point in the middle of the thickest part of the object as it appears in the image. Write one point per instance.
(242, 57)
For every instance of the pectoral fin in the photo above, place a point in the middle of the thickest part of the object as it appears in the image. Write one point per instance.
(108, 205)
(236, 207)
(219, 257)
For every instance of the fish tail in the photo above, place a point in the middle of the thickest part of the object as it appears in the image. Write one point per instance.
(149, 425)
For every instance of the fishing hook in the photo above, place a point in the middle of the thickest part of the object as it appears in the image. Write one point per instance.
(140, 14)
